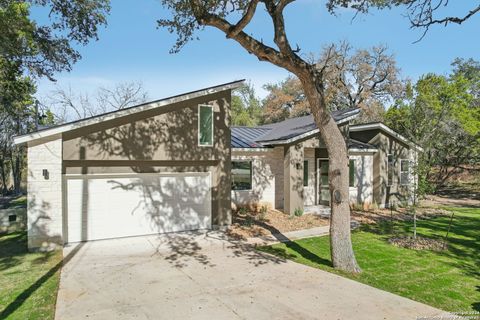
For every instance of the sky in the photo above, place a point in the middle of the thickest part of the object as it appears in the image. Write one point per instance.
(132, 48)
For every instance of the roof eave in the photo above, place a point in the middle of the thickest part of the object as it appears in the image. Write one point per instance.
(383, 127)
(23, 139)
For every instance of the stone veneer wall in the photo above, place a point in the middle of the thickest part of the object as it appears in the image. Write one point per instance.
(267, 178)
(44, 200)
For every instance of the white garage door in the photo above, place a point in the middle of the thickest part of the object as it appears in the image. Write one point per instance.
(102, 207)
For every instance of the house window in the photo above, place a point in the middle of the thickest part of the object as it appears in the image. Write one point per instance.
(305, 173)
(404, 171)
(351, 174)
(205, 125)
(241, 175)
(390, 169)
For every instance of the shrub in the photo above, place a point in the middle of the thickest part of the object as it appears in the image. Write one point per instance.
(298, 212)
(243, 210)
(356, 206)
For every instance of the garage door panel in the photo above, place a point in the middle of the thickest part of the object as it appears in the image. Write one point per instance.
(109, 207)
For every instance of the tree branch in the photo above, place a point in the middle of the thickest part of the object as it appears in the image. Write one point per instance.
(252, 45)
(245, 20)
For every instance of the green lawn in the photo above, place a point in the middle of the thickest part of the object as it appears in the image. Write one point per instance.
(449, 280)
(28, 281)
(20, 201)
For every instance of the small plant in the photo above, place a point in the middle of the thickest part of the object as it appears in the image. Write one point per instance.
(243, 211)
(263, 212)
(357, 206)
(249, 221)
(298, 212)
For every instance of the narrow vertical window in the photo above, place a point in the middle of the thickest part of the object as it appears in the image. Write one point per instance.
(352, 173)
(404, 172)
(205, 125)
(390, 169)
(305, 173)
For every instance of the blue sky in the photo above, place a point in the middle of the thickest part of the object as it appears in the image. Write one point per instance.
(131, 48)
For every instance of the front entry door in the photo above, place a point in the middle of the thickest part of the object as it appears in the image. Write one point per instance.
(323, 189)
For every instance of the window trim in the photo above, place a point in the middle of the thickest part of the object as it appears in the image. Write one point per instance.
(407, 172)
(251, 174)
(306, 173)
(354, 184)
(199, 127)
(390, 183)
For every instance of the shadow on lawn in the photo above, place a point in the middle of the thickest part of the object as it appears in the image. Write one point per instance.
(11, 251)
(463, 243)
(292, 245)
(476, 305)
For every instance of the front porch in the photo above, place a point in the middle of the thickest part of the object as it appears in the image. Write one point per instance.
(306, 188)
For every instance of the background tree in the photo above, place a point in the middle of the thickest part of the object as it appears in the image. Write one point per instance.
(441, 115)
(365, 78)
(17, 116)
(188, 16)
(247, 109)
(67, 105)
(284, 100)
(31, 49)
(43, 49)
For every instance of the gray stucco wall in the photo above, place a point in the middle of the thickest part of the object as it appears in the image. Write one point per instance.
(385, 194)
(160, 140)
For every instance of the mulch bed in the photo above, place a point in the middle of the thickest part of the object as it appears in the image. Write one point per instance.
(252, 224)
(401, 214)
(418, 244)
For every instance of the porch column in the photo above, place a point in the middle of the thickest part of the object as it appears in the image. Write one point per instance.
(293, 178)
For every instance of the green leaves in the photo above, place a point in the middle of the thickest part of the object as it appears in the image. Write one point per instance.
(42, 50)
(441, 114)
(246, 108)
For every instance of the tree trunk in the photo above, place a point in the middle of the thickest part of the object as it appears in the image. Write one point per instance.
(3, 176)
(17, 170)
(17, 174)
(343, 257)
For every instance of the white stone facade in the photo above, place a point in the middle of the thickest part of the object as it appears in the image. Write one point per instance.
(267, 178)
(44, 200)
(362, 191)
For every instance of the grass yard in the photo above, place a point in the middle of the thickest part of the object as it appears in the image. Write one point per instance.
(448, 280)
(20, 201)
(28, 281)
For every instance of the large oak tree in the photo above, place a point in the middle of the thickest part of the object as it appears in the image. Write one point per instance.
(232, 17)
(191, 15)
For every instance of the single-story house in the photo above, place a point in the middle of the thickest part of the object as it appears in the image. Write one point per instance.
(176, 164)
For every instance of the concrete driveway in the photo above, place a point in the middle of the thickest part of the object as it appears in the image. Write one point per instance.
(206, 276)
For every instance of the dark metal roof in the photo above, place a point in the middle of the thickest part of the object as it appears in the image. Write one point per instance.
(293, 127)
(246, 137)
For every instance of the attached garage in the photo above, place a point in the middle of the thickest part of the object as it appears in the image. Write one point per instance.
(163, 166)
(112, 206)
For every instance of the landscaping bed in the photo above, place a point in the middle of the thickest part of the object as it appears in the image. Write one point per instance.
(253, 223)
